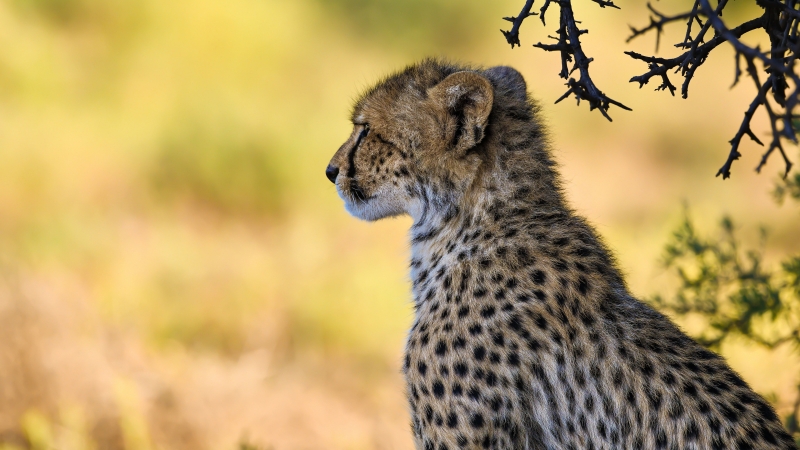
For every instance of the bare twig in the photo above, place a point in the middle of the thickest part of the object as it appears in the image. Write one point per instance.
(778, 71)
(573, 58)
(687, 62)
(512, 36)
(780, 22)
(657, 23)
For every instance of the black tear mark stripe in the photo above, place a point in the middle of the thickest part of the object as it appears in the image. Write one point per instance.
(351, 158)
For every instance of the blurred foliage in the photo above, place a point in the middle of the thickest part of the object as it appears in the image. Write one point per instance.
(108, 14)
(231, 171)
(787, 187)
(409, 22)
(736, 295)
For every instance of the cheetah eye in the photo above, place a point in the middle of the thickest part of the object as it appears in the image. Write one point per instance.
(362, 135)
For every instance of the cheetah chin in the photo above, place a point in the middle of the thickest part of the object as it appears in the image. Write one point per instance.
(525, 335)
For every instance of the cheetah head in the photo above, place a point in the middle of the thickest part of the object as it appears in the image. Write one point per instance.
(419, 139)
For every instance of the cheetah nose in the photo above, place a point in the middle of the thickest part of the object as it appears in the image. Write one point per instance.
(331, 172)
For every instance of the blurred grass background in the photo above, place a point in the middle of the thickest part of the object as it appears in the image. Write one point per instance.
(177, 273)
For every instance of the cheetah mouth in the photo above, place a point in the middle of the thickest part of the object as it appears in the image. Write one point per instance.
(351, 192)
(357, 193)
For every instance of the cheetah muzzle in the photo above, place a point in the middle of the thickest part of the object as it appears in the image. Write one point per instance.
(525, 335)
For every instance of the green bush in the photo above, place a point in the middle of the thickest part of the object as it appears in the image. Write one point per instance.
(734, 292)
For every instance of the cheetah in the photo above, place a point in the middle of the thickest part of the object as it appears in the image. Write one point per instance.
(525, 335)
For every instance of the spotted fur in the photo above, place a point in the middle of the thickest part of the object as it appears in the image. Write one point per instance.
(525, 335)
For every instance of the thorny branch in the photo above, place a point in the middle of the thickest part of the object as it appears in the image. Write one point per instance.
(657, 23)
(777, 96)
(569, 45)
(512, 36)
(780, 23)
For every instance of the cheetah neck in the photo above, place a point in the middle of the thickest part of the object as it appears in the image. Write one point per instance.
(513, 219)
(445, 238)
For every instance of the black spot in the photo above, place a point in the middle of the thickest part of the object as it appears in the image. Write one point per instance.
(514, 323)
(459, 342)
(717, 386)
(422, 368)
(460, 369)
(617, 377)
(691, 432)
(729, 413)
(601, 428)
(646, 367)
(452, 420)
(438, 389)
(676, 410)
(767, 435)
(735, 380)
(690, 389)
(561, 242)
(540, 321)
(583, 285)
(582, 422)
(441, 348)
(630, 396)
(538, 277)
(498, 339)
(479, 352)
(475, 329)
(487, 312)
(661, 439)
(655, 399)
(580, 378)
(476, 421)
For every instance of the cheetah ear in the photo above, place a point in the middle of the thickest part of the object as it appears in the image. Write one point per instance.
(468, 97)
(508, 80)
